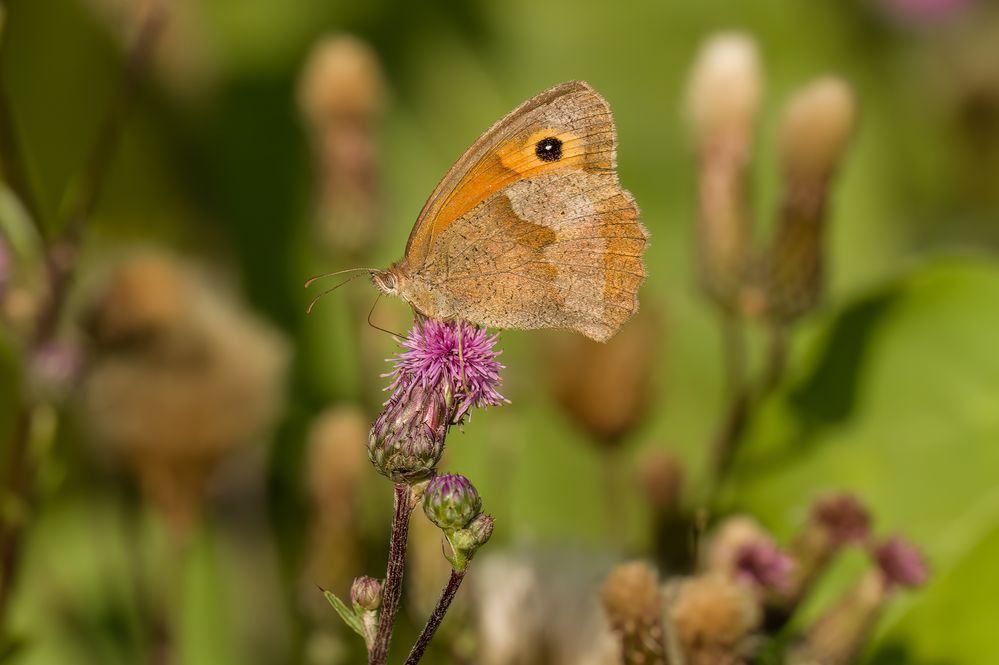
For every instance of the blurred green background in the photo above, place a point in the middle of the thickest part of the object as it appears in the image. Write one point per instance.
(893, 385)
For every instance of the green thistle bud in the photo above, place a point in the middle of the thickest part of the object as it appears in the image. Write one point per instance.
(451, 502)
(407, 440)
(473, 536)
(366, 592)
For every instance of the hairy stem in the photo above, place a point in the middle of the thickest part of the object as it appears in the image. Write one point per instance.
(434, 622)
(392, 591)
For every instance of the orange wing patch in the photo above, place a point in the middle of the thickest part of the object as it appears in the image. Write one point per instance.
(574, 120)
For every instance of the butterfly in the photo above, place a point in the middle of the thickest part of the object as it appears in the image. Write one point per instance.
(530, 228)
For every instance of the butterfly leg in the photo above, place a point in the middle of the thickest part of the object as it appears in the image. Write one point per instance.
(461, 355)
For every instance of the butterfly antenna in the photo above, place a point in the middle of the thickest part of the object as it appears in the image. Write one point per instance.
(313, 279)
(377, 327)
(312, 303)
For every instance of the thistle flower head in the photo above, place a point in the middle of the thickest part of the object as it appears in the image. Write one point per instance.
(452, 356)
(901, 563)
(763, 564)
(843, 517)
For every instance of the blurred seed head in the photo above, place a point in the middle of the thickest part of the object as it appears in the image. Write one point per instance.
(723, 96)
(724, 89)
(340, 95)
(713, 616)
(818, 122)
(335, 469)
(633, 602)
(180, 376)
(341, 79)
(336, 466)
(606, 388)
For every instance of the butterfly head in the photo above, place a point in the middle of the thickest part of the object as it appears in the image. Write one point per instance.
(387, 281)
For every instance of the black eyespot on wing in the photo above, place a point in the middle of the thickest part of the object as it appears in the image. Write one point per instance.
(548, 149)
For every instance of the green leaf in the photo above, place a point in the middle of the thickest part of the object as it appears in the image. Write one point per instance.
(348, 615)
(896, 398)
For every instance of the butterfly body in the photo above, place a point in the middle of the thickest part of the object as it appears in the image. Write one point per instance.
(530, 228)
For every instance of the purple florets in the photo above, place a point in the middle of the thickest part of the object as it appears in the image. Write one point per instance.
(763, 564)
(901, 563)
(431, 358)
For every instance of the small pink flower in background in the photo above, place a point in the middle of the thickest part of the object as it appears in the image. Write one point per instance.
(844, 517)
(432, 359)
(5, 267)
(901, 563)
(925, 12)
(762, 563)
(55, 367)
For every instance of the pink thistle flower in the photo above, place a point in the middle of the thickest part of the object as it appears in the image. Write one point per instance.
(901, 563)
(431, 358)
(762, 563)
(434, 386)
(844, 517)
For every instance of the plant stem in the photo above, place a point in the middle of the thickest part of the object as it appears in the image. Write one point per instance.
(434, 622)
(392, 590)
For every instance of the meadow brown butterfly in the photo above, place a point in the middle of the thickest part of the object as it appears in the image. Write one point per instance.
(530, 228)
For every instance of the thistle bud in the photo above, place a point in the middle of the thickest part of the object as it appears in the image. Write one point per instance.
(451, 502)
(836, 521)
(475, 535)
(366, 592)
(817, 124)
(407, 439)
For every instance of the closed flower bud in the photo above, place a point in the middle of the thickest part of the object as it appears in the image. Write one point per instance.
(366, 592)
(475, 535)
(817, 124)
(407, 439)
(451, 501)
